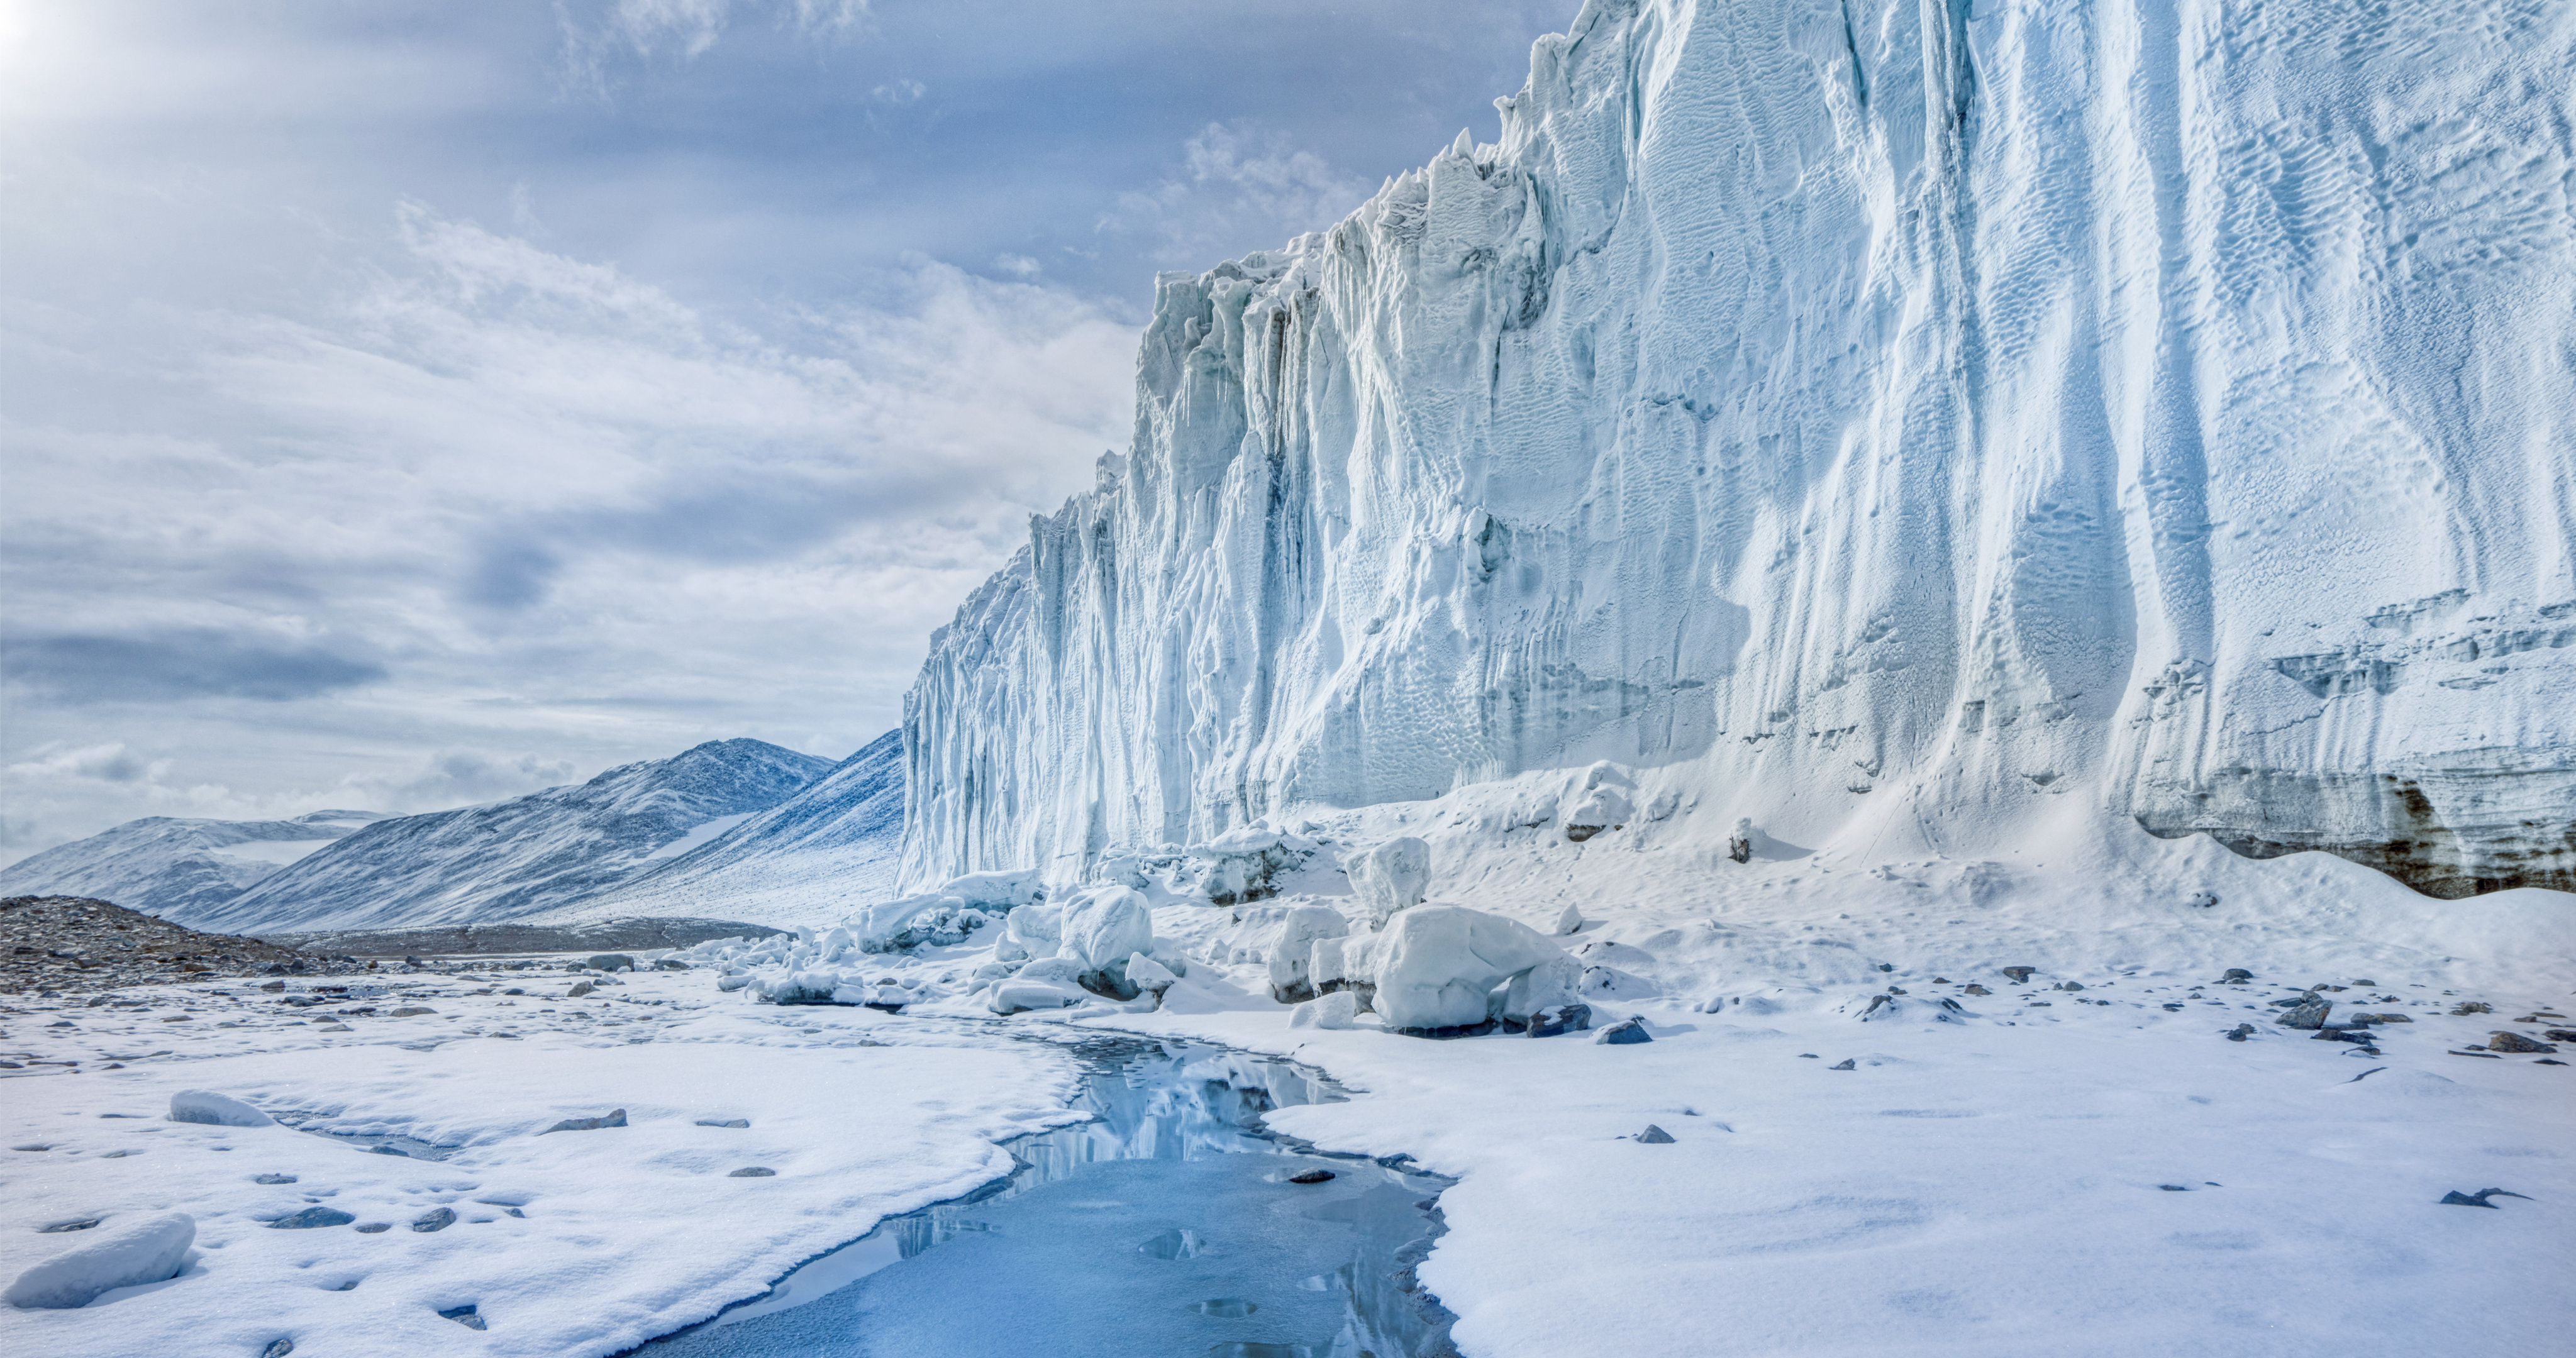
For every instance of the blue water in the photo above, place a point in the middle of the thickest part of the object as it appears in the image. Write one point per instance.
(1164, 1228)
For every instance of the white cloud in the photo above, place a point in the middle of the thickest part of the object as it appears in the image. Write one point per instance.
(899, 92)
(1238, 188)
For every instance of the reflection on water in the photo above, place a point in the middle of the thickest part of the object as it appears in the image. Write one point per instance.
(1166, 1225)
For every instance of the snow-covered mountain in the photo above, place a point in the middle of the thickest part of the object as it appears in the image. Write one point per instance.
(822, 853)
(1908, 426)
(511, 859)
(163, 865)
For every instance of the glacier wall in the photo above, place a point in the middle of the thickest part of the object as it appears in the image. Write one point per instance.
(1893, 418)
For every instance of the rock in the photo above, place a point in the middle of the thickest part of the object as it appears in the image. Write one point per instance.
(1559, 1019)
(278, 1349)
(670, 964)
(412, 1011)
(1389, 878)
(1627, 1032)
(1334, 1011)
(2235, 976)
(312, 1218)
(1844, 1064)
(753, 1172)
(466, 1316)
(1654, 1136)
(146, 1252)
(616, 1118)
(2240, 1032)
(1436, 966)
(2505, 1041)
(75, 1224)
(2309, 1012)
(610, 961)
(220, 1110)
(2467, 1007)
(1739, 846)
(579, 989)
(1292, 952)
(2070, 985)
(724, 1122)
(1312, 1176)
(2019, 975)
(272, 1178)
(437, 1219)
(2456, 1198)
(375, 1228)
(272, 987)
(2561, 1034)
(1974, 989)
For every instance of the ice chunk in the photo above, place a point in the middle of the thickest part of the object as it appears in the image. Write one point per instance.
(1570, 922)
(945, 914)
(1292, 952)
(1244, 864)
(221, 1110)
(1552, 984)
(1047, 983)
(1106, 925)
(145, 1252)
(1036, 930)
(1391, 877)
(1148, 975)
(1336, 1010)
(1437, 965)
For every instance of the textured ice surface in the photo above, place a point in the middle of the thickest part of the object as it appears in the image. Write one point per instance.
(1896, 424)
(126, 1255)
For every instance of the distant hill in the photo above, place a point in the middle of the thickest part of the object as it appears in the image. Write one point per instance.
(511, 859)
(810, 858)
(164, 865)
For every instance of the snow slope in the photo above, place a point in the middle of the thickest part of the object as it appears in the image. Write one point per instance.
(1908, 421)
(819, 854)
(511, 859)
(164, 865)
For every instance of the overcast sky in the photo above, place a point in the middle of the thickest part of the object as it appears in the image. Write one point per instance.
(412, 404)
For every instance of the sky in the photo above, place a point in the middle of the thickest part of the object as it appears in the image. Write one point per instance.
(404, 405)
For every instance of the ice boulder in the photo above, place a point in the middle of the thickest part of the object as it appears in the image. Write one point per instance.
(1390, 877)
(945, 914)
(1031, 931)
(1600, 804)
(1047, 983)
(1244, 864)
(1337, 1010)
(1149, 976)
(221, 1110)
(1292, 952)
(1343, 963)
(1106, 925)
(145, 1252)
(1552, 984)
(1437, 965)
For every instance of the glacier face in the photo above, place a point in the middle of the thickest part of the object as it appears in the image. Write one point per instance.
(167, 865)
(832, 844)
(508, 860)
(1901, 419)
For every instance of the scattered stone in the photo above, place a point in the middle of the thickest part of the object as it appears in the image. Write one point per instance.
(438, 1219)
(278, 1349)
(753, 1172)
(1975, 989)
(310, 1218)
(2019, 975)
(2456, 1198)
(218, 1110)
(2506, 1041)
(1654, 1136)
(272, 1178)
(2488, 1055)
(1845, 1064)
(2467, 1007)
(466, 1316)
(2175, 1188)
(1626, 1032)
(2560, 1035)
(2070, 985)
(670, 964)
(610, 961)
(724, 1122)
(2374, 1070)
(2240, 1032)
(1559, 1019)
(579, 989)
(412, 1011)
(2235, 976)
(1887, 966)
(146, 1252)
(2309, 1012)
(272, 987)
(1312, 1176)
(75, 1224)
(332, 1028)
(616, 1118)
(375, 1228)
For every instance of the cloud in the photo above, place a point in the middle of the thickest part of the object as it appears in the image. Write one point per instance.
(1238, 183)
(109, 763)
(1018, 266)
(648, 28)
(177, 664)
(899, 92)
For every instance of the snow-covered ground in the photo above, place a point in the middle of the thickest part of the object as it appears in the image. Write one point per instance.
(2092, 1169)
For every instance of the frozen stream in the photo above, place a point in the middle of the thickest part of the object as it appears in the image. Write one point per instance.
(1166, 1227)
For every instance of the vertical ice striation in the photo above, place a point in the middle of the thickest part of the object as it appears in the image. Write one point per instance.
(1898, 417)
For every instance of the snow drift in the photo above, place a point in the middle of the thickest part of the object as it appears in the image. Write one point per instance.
(1889, 423)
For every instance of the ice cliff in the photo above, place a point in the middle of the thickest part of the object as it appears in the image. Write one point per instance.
(1907, 424)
